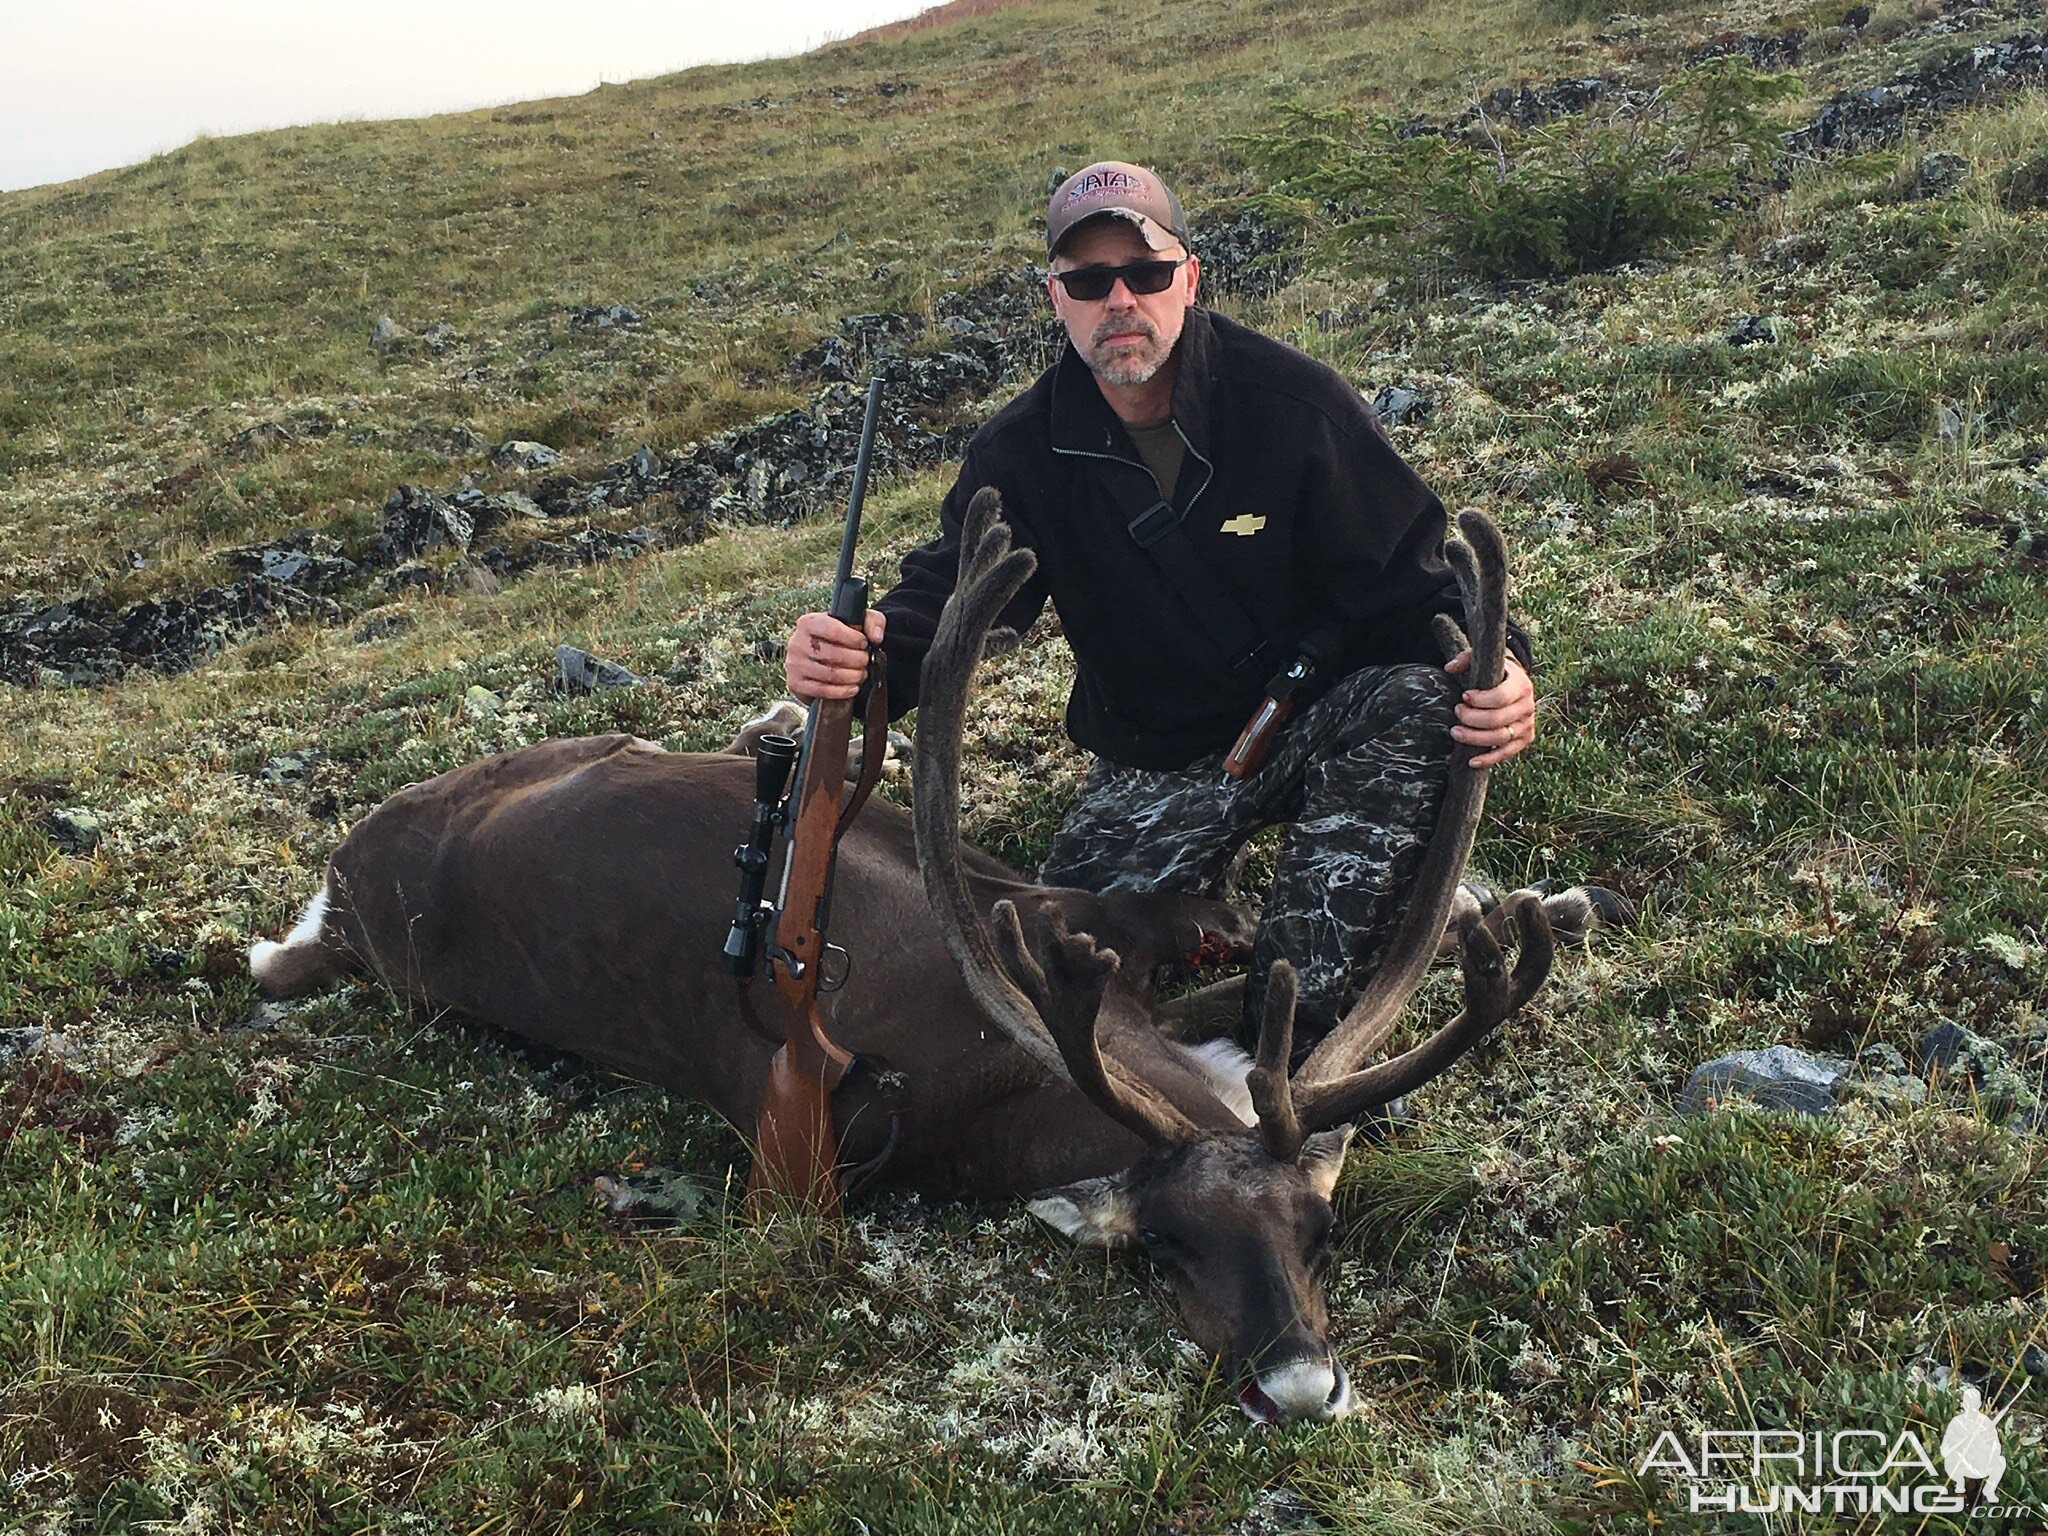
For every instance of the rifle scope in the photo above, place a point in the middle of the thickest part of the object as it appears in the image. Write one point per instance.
(774, 760)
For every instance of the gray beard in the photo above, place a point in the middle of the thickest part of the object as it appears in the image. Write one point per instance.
(1128, 371)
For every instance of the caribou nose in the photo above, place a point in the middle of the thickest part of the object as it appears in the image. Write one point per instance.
(1300, 1389)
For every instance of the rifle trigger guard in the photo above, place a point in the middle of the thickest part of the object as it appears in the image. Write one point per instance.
(832, 977)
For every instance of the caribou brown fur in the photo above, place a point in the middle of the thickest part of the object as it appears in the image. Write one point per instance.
(576, 893)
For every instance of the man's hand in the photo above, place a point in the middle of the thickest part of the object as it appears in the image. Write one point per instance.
(827, 659)
(1501, 719)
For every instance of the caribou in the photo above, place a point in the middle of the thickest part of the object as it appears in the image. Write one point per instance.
(1008, 1038)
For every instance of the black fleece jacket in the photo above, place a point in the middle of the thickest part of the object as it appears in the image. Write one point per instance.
(1342, 553)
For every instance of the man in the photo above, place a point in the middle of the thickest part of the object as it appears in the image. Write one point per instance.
(1209, 505)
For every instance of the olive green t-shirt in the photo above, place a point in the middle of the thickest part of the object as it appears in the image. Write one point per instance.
(1163, 448)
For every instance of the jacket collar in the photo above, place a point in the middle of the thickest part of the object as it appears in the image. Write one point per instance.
(1082, 421)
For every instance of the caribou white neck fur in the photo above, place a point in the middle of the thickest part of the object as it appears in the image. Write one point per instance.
(1226, 1066)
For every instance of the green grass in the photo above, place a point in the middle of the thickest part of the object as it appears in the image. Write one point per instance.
(344, 1269)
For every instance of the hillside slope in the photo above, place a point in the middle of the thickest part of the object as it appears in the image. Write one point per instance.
(1778, 503)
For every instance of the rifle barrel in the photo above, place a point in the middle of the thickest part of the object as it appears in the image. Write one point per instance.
(859, 492)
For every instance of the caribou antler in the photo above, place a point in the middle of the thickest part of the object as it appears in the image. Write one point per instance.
(1271, 1088)
(1069, 1001)
(1070, 996)
(1330, 1087)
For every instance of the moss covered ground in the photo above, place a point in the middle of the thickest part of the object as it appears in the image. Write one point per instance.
(331, 1267)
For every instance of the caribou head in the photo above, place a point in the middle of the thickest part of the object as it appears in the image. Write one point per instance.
(1231, 1199)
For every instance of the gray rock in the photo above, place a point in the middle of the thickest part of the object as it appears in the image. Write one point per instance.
(17, 1044)
(87, 640)
(2001, 1092)
(1983, 1066)
(1779, 1077)
(479, 703)
(520, 453)
(516, 504)
(387, 333)
(1528, 106)
(384, 625)
(1396, 405)
(446, 440)
(1948, 1044)
(1750, 331)
(1945, 83)
(604, 317)
(1890, 1090)
(1938, 174)
(74, 829)
(1249, 253)
(1279, 1512)
(567, 496)
(1878, 1059)
(289, 767)
(660, 1195)
(416, 520)
(1765, 50)
(997, 330)
(310, 561)
(265, 1017)
(1952, 425)
(577, 671)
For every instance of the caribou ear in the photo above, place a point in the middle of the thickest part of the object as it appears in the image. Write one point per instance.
(1322, 1158)
(1096, 1213)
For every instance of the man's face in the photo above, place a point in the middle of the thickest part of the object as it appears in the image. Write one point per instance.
(1127, 337)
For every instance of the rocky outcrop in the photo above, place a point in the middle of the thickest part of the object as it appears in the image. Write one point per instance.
(1879, 114)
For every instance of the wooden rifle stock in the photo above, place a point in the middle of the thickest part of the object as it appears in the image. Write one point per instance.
(796, 1144)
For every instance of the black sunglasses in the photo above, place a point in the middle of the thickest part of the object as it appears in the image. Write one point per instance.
(1094, 282)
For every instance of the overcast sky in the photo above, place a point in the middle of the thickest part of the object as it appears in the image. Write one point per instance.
(88, 84)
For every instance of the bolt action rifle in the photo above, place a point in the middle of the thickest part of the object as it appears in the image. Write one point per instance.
(796, 1152)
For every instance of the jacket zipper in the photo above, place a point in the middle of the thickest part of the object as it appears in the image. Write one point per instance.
(1158, 489)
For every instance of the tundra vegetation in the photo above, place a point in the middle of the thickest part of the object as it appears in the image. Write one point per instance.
(1777, 495)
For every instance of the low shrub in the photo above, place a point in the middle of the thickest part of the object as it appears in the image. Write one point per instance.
(1580, 194)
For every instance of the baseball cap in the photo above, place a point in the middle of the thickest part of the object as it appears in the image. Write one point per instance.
(1116, 187)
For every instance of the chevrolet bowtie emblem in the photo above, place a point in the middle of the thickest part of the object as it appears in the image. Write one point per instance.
(1244, 526)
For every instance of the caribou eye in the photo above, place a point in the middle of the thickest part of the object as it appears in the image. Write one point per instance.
(1156, 1242)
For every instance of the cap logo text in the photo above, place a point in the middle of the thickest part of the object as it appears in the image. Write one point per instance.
(1105, 184)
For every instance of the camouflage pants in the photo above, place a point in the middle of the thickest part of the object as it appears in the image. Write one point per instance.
(1359, 774)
